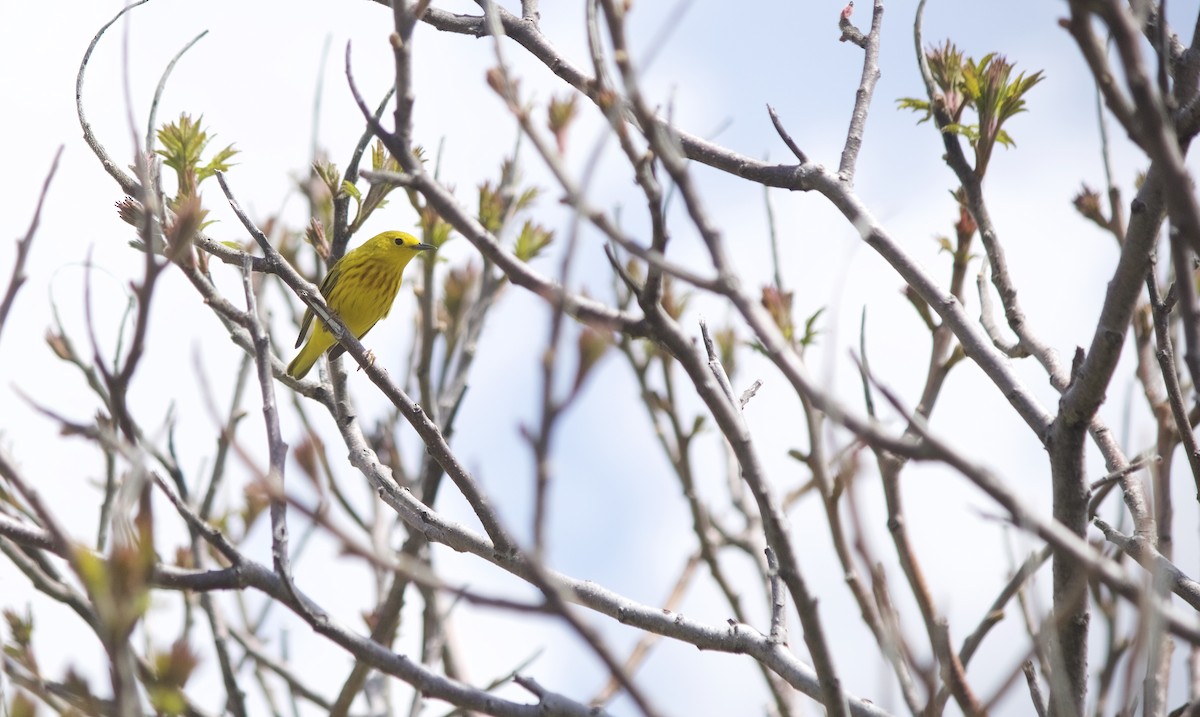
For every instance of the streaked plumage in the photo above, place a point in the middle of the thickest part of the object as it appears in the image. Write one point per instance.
(360, 288)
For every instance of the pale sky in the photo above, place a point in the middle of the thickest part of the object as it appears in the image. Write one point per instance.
(618, 517)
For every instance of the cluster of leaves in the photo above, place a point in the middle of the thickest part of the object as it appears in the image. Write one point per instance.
(183, 144)
(172, 670)
(19, 646)
(986, 87)
(119, 588)
(376, 196)
(501, 202)
(364, 204)
(119, 585)
(458, 289)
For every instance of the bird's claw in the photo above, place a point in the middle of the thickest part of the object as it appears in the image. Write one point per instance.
(370, 359)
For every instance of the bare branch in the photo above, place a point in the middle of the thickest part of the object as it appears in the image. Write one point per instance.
(24, 245)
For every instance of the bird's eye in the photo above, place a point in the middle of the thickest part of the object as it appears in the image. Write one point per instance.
(399, 241)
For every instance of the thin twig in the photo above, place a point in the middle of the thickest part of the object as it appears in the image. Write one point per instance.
(1035, 689)
(25, 243)
(863, 97)
(151, 120)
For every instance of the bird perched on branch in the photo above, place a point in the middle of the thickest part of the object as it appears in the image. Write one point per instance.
(360, 289)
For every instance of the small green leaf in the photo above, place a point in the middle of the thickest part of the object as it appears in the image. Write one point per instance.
(592, 345)
(560, 114)
(329, 175)
(434, 229)
(916, 105)
(21, 706)
(457, 289)
(219, 163)
(810, 330)
(779, 305)
(527, 198)
(491, 208)
(532, 240)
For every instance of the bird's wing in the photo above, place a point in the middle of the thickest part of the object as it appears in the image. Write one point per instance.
(326, 288)
(304, 324)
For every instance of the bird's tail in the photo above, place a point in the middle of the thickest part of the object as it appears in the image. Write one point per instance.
(303, 363)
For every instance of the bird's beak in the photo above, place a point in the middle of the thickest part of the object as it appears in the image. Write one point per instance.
(422, 247)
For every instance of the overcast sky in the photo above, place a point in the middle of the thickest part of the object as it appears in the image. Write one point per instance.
(618, 515)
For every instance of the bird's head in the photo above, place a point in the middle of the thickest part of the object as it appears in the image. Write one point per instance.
(402, 244)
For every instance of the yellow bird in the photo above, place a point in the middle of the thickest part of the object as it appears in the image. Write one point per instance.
(360, 288)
